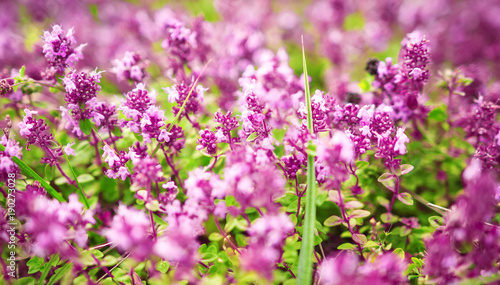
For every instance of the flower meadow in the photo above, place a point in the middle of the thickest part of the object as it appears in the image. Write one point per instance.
(249, 142)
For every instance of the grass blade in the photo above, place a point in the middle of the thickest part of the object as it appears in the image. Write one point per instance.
(47, 267)
(24, 167)
(172, 123)
(307, 248)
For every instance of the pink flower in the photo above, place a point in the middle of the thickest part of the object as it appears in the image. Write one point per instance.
(110, 154)
(68, 150)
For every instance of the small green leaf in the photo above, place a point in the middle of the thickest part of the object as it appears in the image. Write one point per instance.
(252, 137)
(436, 221)
(47, 268)
(400, 252)
(439, 113)
(386, 177)
(370, 243)
(406, 198)
(109, 260)
(405, 168)
(25, 281)
(360, 214)
(388, 218)
(59, 273)
(117, 132)
(85, 126)
(215, 237)
(333, 221)
(362, 164)
(21, 71)
(359, 238)
(208, 257)
(346, 246)
(163, 266)
(85, 178)
(34, 264)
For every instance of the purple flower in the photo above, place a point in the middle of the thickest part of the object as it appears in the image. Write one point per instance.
(130, 67)
(49, 223)
(137, 102)
(253, 179)
(415, 55)
(387, 268)
(267, 237)
(59, 49)
(130, 231)
(12, 149)
(68, 150)
(81, 87)
(35, 131)
(152, 120)
(179, 92)
(146, 171)
(207, 140)
(319, 111)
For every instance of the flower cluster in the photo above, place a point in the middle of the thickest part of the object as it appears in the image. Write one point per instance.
(267, 236)
(81, 91)
(49, 223)
(59, 48)
(253, 179)
(345, 268)
(130, 67)
(467, 243)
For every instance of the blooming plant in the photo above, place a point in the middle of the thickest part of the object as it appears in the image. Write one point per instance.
(249, 142)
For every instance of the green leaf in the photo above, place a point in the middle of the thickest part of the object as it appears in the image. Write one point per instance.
(388, 218)
(436, 221)
(21, 71)
(47, 268)
(34, 264)
(31, 173)
(400, 252)
(370, 243)
(59, 273)
(360, 214)
(109, 260)
(25, 281)
(85, 126)
(208, 257)
(215, 237)
(405, 168)
(252, 137)
(163, 266)
(333, 221)
(386, 177)
(359, 238)
(439, 113)
(346, 246)
(85, 178)
(362, 164)
(305, 268)
(117, 132)
(406, 198)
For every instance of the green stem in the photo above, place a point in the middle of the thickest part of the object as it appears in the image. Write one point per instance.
(305, 269)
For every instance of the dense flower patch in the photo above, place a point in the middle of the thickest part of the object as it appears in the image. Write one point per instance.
(249, 142)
